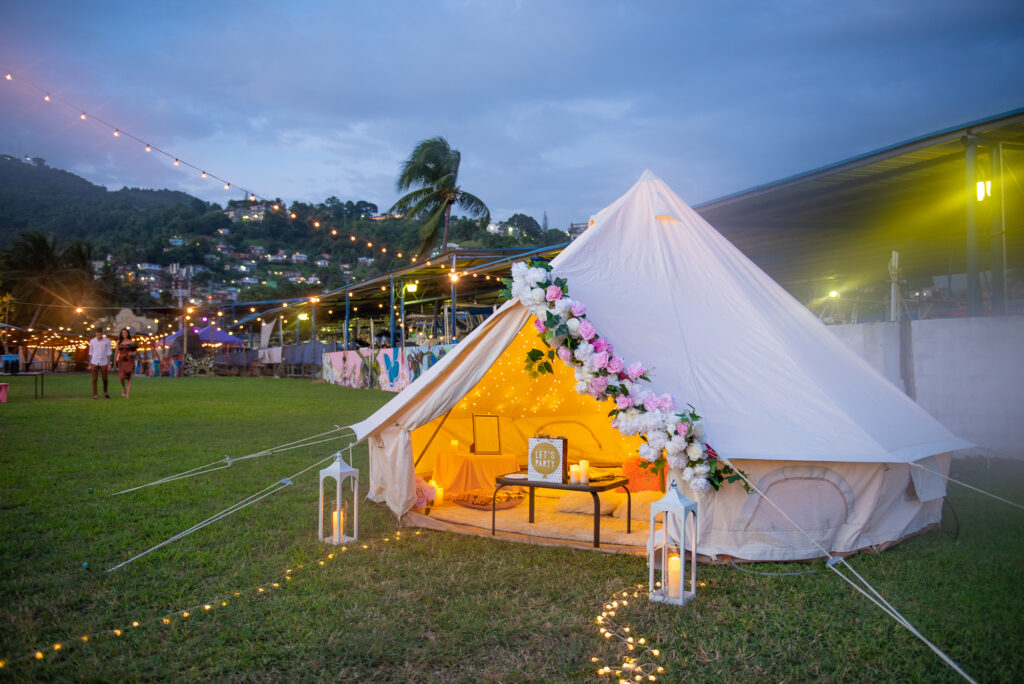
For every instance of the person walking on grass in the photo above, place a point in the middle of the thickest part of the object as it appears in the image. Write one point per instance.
(99, 361)
(126, 348)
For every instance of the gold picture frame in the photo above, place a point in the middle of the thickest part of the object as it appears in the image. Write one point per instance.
(486, 434)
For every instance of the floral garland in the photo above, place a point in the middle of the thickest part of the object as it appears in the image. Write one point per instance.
(671, 437)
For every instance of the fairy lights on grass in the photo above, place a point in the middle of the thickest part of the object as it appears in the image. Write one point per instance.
(636, 659)
(180, 615)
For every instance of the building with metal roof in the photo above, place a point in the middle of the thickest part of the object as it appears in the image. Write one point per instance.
(951, 203)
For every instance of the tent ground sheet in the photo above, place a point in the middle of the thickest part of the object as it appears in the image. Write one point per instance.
(550, 527)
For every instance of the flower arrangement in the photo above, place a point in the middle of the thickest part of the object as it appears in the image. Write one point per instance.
(425, 493)
(671, 437)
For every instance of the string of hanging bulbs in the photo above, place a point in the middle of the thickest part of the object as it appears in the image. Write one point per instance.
(119, 132)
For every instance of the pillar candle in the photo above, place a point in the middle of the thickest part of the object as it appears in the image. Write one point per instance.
(584, 471)
(338, 520)
(438, 495)
(673, 575)
(574, 474)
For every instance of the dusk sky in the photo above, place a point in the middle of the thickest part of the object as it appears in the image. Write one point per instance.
(557, 107)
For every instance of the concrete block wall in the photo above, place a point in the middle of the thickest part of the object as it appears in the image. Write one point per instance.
(966, 372)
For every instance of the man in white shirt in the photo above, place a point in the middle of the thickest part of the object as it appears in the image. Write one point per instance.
(99, 360)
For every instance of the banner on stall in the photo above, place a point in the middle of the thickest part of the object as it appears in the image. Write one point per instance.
(390, 369)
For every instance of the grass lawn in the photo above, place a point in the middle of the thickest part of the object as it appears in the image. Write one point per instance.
(427, 607)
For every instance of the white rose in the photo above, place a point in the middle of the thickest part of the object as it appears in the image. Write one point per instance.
(701, 469)
(582, 387)
(574, 326)
(583, 352)
(694, 451)
(677, 444)
(519, 270)
(675, 461)
(647, 453)
(688, 474)
(537, 295)
(536, 275)
(657, 440)
(561, 306)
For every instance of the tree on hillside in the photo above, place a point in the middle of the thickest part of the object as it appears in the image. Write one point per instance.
(433, 170)
(526, 226)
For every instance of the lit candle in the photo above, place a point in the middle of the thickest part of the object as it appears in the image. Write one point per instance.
(584, 471)
(439, 495)
(338, 518)
(574, 474)
(673, 575)
(455, 445)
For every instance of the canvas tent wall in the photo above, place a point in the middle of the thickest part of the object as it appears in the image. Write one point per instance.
(829, 437)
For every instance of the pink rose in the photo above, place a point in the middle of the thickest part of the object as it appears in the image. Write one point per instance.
(666, 402)
(622, 402)
(541, 328)
(553, 293)
(577, 309)
(651, 403)
(614, 365)
(598, 385)
(682, 428)
(565, 354)
(587, 331)
(635, 370)
(421, 498)
(600, 344)
(600, 360)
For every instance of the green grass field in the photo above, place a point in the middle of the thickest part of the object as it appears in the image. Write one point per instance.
(418, 607)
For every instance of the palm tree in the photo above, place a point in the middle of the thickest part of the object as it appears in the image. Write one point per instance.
(433, 169)
(41, 273)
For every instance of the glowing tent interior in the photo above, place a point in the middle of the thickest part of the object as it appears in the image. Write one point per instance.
(815, 427)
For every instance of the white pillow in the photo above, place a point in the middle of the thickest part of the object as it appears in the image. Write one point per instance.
(641, 502)
(583, 502)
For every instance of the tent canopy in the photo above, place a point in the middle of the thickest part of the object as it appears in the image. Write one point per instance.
(770, 380)
(204, 334)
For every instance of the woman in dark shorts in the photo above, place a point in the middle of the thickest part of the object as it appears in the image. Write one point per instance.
(126, 349)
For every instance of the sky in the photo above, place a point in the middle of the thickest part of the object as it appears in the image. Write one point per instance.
(557, 107)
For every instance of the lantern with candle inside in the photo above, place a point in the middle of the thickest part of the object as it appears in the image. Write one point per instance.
(666, 554)
(344, 511)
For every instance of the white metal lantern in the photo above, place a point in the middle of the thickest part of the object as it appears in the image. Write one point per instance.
(344, 510)
(666, 554)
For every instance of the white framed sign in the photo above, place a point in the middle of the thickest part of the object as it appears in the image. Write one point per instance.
(546, 459)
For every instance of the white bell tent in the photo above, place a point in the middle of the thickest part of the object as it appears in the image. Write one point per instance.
(814, 426)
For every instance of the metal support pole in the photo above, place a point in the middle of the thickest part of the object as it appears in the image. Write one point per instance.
(998, 232)
(347, 300)
(392, 311)
(401, 317)
(453, 299)
(971, 167)
(312, 316)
